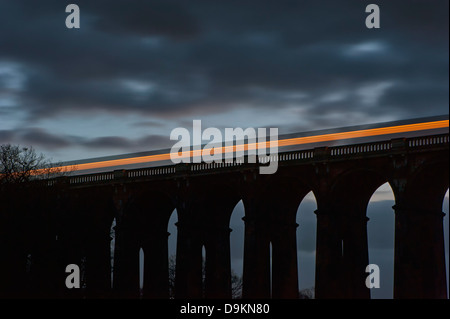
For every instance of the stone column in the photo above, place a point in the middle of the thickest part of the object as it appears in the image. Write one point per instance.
(329, 263)
(188, 280)
(70, 250)
(14, 248)
(419, 265)
(126, 262)
(47, 278)
(355, 257)
(98, 268)
(420, 184)
(342, 255)
(218, 262)
(12, 278)
(256, 277)
(156, 271)
(284, 261)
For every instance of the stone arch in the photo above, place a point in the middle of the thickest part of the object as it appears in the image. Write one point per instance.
(427, 185)
(83, 238)
(419, 235)
(143, 224)
(342, 247)
(100, 216)
(271, 204)
(203, 219)
(355, 186)
(224, 197)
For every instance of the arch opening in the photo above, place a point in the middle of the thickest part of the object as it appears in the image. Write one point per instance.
(172, 251)
(203, 271)
(380, 237)
(141, 271)
(237, 236)
(112, 234)
(270, 269)
(144, 233)
(306, 245)
(445, 210)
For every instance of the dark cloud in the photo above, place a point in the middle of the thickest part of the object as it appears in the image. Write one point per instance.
(145, 18)
(36, 136)
(48, 141)
(221, 55)
(117, 142)
(148, 123)
(109, 142)
(153, 141)
(417, 94)
(6, 136)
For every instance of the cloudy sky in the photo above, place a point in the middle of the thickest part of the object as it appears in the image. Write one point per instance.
(135, 70)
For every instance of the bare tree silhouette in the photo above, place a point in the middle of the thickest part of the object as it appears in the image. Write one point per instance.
(19, 165)
(307, 293)
(27, 218)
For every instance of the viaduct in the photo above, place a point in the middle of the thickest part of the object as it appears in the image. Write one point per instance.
(68, 221)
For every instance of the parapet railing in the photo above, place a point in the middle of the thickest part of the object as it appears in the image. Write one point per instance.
(428, 140)
(99, 177)
(333, 152)
(364, 148)
(141, 172)
(262, 159)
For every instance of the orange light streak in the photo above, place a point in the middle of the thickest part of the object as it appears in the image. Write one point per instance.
(285, 142)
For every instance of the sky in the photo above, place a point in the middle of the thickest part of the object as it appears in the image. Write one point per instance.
(135, 70)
